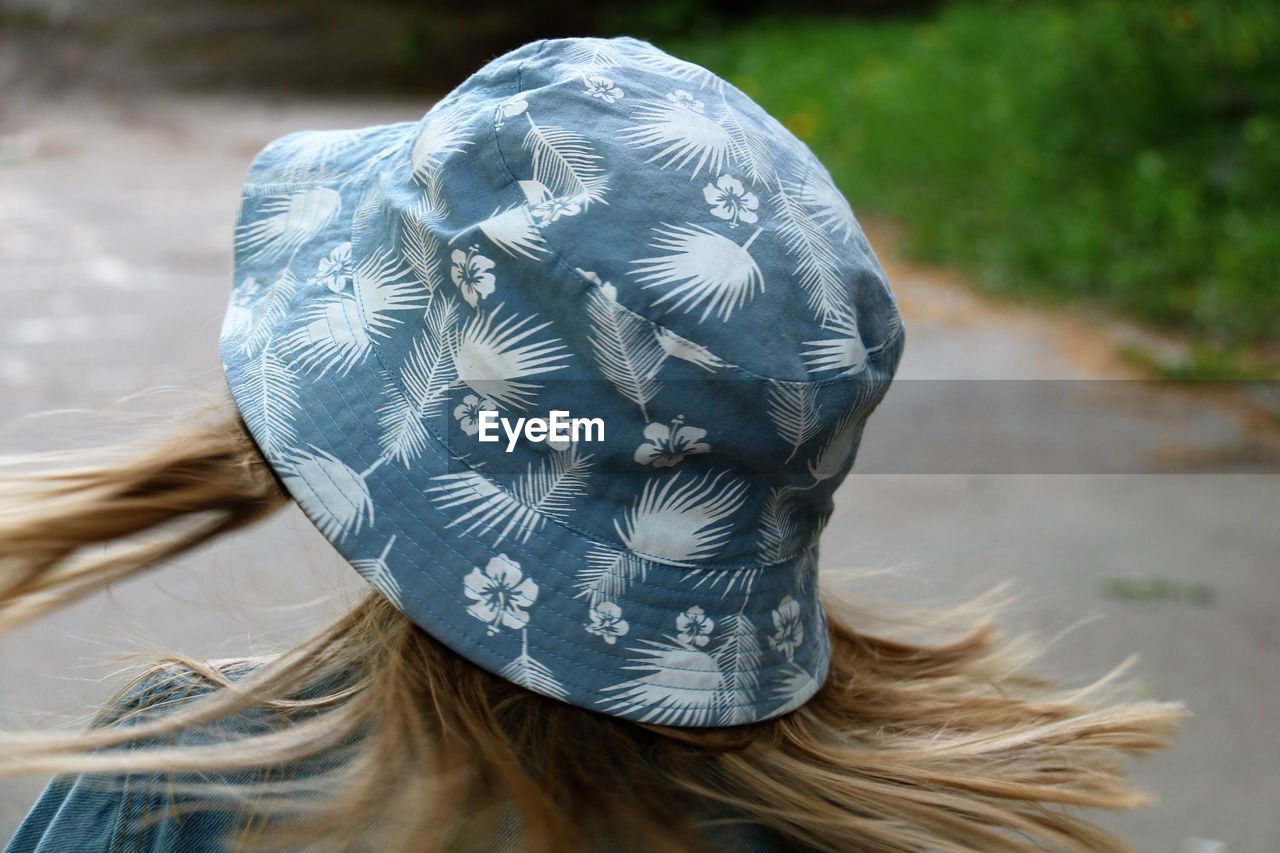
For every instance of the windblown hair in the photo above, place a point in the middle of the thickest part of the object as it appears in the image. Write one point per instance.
(909, 746)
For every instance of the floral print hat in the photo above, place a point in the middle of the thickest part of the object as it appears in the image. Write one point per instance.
(596, 227)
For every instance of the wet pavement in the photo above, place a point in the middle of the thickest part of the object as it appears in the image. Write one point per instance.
(115, 255)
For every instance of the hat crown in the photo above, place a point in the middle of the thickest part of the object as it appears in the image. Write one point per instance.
(693, 258)
(590, 226)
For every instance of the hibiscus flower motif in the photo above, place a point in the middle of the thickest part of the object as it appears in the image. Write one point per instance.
(599, 86)
(607, 622)
(471, 274)
(501, 594)
(788, 631)
(334, 271)
(552, 209)
(730, 200)
(683, 99)
(467, 413)
(669, 445)
(694, 627)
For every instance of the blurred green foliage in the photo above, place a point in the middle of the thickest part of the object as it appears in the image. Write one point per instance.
(1125, 153)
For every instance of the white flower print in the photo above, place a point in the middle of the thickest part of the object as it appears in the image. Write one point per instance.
(683, 99)
(501, 594)
(552, 209)
(694, 627)
(788, 631)
(730, 200)
(471, 274)
(669, 445)
(467, 413)
(607, 622)
(599, 86)
(334, 271)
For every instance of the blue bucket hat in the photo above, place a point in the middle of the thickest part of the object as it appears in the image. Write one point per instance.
(592, 227)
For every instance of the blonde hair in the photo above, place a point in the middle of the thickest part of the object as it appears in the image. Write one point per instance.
(943, 745)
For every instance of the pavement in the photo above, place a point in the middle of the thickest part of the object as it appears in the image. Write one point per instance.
(1133, 517)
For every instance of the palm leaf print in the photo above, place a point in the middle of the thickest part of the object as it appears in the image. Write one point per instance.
(816, 264)
(269, 400)
(423, 386)
(625, 348)
(793, 408)
(491, 358)
(677, 520)
(779, 532)
(378, 574)
(382, 285)
(596, 53)
(845, 354)
(564, 162)
(702, 268)
(532, 674)
(487, 507)
(251, 327)
(793, 686)
(807, 567)
(512, 230)
(332, 335)
(443, 132)
(432, 207)
(686, 350)
(738, 656)
(717, 577)
(368, 213)
(838, 447)
(334, 495)
(295, 220)
(306, 156)
(681, 137)
(829, 206)
(680, 686)
(678, 69)
(544, 491)
(422, 247)
(551, 485)
(339, 331)
(607, 574)
(749, 150)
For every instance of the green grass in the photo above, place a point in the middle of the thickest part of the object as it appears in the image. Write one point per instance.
(1126, 154)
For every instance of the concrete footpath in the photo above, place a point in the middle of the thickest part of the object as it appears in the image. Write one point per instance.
(115, 255)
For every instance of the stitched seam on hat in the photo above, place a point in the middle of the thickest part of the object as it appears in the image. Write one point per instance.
(559, 616)
(563, 263)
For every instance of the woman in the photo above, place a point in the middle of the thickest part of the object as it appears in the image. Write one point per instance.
(604, 638)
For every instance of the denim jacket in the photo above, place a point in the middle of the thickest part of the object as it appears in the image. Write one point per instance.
(92, 814)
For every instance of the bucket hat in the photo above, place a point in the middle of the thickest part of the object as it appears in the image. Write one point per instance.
(594, 227)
